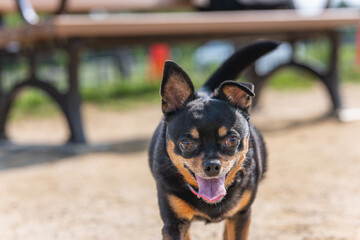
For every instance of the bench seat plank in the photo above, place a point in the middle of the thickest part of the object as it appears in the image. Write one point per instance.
(156, 25)
(89, 5)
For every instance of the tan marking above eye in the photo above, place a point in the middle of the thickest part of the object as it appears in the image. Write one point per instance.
(194, 133)
(222, 131)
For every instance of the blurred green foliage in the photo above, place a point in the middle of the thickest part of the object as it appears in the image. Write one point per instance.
(128, 92)
(33, 102)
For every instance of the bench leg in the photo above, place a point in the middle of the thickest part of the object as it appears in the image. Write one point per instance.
(68, 102)
(331, 78)
(328, 77)
(73, 100)
(258, 81)
(2, 106)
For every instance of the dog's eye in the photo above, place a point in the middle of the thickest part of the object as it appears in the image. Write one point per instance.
(187, 144)
(231, 141)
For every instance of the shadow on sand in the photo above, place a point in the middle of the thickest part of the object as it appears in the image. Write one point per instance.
(286, 125)
(16, 155)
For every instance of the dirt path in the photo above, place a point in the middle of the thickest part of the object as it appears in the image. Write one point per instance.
(105, 191)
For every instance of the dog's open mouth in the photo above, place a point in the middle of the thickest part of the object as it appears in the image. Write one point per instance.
(212, 189)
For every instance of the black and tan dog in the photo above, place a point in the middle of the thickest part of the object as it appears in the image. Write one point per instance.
(205, 155)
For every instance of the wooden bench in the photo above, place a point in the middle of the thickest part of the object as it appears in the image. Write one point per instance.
(73, 32)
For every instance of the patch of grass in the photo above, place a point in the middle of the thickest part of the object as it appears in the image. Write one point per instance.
(292, 78)
(13, 20)
(33, 102)
(36, 103)
(122, 95)
(349, 68)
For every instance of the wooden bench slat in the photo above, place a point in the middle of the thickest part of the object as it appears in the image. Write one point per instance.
(201, 23)
(177, 24)
(87, 5)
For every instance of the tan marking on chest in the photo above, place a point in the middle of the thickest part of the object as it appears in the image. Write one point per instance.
(243, 202)
(182, 209)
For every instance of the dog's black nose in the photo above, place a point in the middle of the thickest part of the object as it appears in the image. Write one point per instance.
(212, 167)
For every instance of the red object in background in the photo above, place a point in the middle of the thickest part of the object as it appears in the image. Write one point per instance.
(158, 54)
(358, 46)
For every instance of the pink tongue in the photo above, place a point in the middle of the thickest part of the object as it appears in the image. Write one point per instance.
(211, 189)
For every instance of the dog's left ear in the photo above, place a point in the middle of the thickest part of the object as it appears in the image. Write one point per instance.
(176, 88)
(239, 94)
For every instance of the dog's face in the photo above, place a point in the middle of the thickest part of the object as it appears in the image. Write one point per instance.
(207, 138)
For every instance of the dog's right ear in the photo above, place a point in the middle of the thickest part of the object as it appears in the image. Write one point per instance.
(239, 94)
(176, 88)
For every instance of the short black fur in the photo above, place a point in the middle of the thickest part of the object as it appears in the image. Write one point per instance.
(208, 122)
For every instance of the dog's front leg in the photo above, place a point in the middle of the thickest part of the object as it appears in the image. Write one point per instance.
(237, 227)
(179, 232)
(176, 226)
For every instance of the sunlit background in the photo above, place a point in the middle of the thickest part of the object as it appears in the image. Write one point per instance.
(104, 189)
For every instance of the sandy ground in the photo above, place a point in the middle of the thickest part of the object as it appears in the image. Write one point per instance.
(105, 190)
